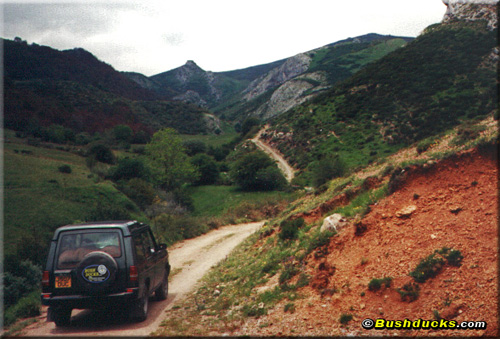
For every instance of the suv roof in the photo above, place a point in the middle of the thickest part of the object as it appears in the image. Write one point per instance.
(127, 226)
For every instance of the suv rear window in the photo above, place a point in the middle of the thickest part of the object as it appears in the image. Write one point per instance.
(74, 246)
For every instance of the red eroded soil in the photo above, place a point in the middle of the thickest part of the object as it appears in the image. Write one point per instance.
(456, 206)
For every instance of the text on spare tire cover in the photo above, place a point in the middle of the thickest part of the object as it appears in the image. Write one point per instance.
(95, 273)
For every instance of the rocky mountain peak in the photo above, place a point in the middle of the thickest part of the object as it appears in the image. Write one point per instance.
(472, 10)
(191, 63)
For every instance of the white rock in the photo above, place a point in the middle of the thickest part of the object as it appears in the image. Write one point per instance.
(333, 222)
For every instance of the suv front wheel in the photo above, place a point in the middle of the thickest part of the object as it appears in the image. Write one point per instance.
(162, 292)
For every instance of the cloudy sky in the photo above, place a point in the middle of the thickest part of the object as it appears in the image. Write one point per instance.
(153, 36)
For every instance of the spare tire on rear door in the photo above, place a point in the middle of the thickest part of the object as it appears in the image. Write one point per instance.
(96, 271)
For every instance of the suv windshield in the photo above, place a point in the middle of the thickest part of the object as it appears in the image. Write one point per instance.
(73, 246)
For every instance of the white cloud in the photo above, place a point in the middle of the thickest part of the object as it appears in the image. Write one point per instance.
(157, 35)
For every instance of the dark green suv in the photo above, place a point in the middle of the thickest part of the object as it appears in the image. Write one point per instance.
(104, 265)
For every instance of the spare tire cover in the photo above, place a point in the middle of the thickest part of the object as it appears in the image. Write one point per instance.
(96, 271)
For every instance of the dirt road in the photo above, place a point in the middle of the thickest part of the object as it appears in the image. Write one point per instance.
(283, 165)
(189, 259)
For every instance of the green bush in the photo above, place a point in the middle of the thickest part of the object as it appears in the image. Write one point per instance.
(207, 167)
(467, 132)
(65, 169)
(424, 145)
(427, 268)
(376, 284)
(345, 318)
(103, 210)
(255, 171)
(290, 307)
(128, 168)
(194, 147)
(28, 306)
(452, 256)
(123, 133)
(409, 292)
(19, 279)
(288, 273)
(101, 153)
(303, 280)
(320, 239)
(326, 169)
(140, 191)
(290, 229)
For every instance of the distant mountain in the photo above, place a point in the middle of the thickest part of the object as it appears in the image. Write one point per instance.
(444, 77)
(271, 89)
(30, 62)
(44, 86)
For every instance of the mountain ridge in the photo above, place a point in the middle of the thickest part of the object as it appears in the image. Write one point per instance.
(241, 93)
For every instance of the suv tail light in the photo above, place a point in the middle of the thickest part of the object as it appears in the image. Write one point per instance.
(133, 275)
(45, 279)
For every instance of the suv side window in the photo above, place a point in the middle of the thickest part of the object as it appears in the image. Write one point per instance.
(144, 244)
(150, 244)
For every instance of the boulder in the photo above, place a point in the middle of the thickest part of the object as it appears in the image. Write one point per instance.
(333, 223)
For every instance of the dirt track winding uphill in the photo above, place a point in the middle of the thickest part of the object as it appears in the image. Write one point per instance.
(189, 259)
(283, 165)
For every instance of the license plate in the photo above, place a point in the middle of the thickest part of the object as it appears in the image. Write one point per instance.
(63, 281)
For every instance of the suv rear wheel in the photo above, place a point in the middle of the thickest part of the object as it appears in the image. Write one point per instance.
(61, 316)
(139, 311)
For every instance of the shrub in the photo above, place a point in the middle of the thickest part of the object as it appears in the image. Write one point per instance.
(288, 273)
(427, 268)
(194, 147)
(206, 165)
(123, 133)
(102, 153)
(290, 229)
(290, 307)
(20, 279)
(253, 311)
(452, 256)
(319, 240)
(410, 292)
(376, 284)
(424, 145)
(28, 306)
(303, 280)
(327, 169)
(140, 191)
(65, 169)
(103, 210)
(127, 169)
(255, 171)
(467, 132)
(397, 179)
(345, 318)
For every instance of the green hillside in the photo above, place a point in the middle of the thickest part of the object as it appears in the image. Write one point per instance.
(38, 197)
(437, 81)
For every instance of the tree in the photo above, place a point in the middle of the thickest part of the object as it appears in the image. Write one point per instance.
(248, 124)
(255, 171)
(102, 153)
(206, 165)
(123, 133)
(168, 161)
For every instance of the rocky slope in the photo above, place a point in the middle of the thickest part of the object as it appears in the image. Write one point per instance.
(454, 205)
(472, 10)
